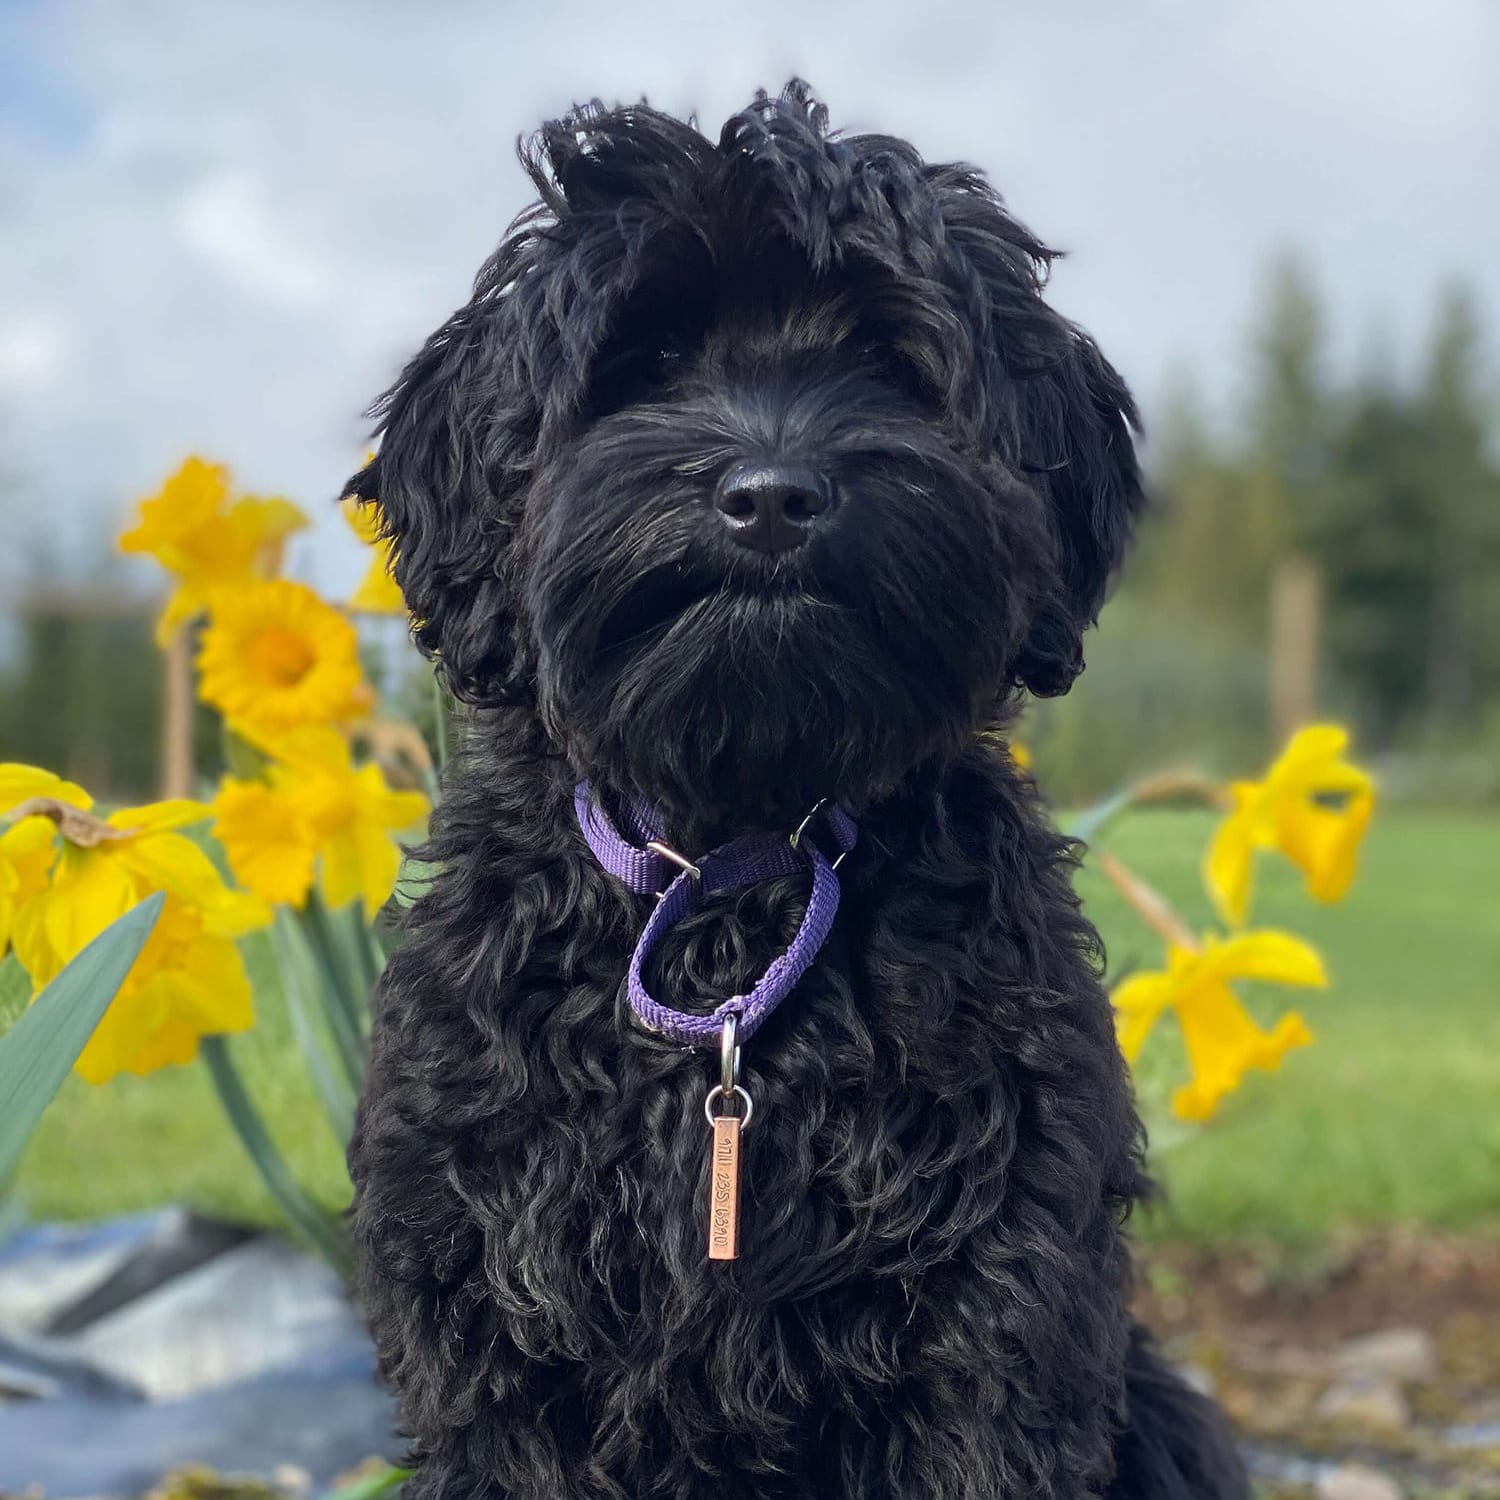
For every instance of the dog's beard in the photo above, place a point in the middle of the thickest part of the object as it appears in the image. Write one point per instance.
(736, 689)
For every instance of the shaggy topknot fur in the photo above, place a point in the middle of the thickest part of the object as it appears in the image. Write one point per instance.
(931, 1298)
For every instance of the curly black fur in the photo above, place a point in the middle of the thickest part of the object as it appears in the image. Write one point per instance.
(931, 1295)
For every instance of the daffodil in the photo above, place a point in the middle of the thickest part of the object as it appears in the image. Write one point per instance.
(378, 592)
(268, 839)
(1223, 1041)
(188, 983)
(135, 851)
(1313, 806)
(27, 850)
(208, 542)
(21, 783)
(276, 657)
(315, 811)
(32, 799)
(77, 872)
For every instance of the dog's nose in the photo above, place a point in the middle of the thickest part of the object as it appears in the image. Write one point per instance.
(772, 506)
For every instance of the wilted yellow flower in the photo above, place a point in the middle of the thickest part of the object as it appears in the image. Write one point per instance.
(79, 873)
(315, 810)
(378, 593)
(138, 851)
(1223, 1040)
(1313, 806)
(208, 542)
(20, 783)
(275, 657)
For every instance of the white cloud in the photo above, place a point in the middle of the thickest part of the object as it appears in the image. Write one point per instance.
(33, 351)
(230, 223)
(225, 218)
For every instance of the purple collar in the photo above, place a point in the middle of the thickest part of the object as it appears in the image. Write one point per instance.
(649, 867)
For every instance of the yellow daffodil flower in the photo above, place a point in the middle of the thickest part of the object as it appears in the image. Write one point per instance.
(77, 873)
(1313, 806)
(269, 841)
(1223, 1041)
(20, 783)
(208, 542)
(27, 849)
(189, 982)
(276, 657)
(378, 592)
(315, 811)
(28, 846)
(138, 851)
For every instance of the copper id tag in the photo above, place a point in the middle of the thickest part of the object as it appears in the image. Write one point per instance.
(724, 1190)
(724, 1160)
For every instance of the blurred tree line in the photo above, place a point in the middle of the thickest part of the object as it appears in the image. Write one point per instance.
(1383, 489)
(1386, 492)
(81, 684)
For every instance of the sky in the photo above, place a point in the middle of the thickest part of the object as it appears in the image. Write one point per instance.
(223, 226)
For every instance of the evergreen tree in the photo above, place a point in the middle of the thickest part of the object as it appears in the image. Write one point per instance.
(1462, 628)
(1410, 540)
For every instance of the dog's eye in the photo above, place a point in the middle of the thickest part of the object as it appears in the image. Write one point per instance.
(626, 374)
(896, 367)
(618, 360)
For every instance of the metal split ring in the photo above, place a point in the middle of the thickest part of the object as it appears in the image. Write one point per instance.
(718, 1092)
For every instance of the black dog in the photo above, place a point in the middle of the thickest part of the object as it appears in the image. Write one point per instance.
(756, 473)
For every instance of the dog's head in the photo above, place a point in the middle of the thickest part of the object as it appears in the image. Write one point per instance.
(759, 467)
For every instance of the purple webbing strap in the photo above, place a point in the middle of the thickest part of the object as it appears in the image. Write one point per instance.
(643, 870)
(741, 862)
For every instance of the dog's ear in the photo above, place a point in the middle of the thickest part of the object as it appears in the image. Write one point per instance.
(457, 438)
(1052, 407)
(462, 430)
(1076, 438)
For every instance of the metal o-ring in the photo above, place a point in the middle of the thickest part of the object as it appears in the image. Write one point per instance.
(742, 1094)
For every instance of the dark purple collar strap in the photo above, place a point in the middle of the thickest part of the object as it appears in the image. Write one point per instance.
(638, 856)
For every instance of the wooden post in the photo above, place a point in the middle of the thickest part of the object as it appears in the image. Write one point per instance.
(177, 717)
(1296, 630)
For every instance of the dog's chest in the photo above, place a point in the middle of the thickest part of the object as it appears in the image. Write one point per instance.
(884, 1120)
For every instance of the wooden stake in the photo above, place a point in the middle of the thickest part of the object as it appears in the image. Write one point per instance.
(177, 717)
(1296, 628)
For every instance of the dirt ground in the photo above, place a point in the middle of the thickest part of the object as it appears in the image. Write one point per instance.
(1383, 1351)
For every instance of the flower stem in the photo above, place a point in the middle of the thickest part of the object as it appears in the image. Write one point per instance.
(440, 720)
(371, 956)
(343, 989)
(1167, 786)
(1181, 786)
(319, 1228)
(371, 1486)
(301, 987)
(1147, 902)
(82, 829)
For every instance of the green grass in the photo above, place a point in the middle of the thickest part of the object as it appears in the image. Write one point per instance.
(136, 1143)
(1392, 1117)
